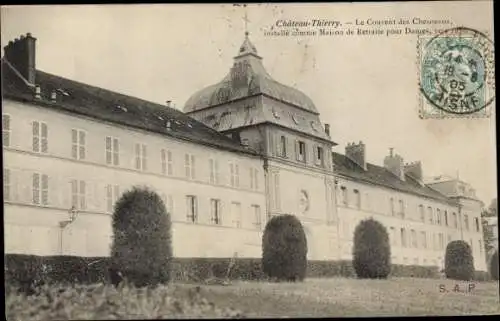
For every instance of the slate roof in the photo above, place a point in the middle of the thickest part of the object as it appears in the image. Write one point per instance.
(379, 175)
(261, 83)
(80, 98)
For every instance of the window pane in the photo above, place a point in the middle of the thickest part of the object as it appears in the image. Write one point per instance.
(36, 188)
(45, 145)
(44, 130)
(108, 143)
(82, 152)
(6, 122)
(82, 138)
(74, 136)
(36, 144)
(6, 138)
(36, 128)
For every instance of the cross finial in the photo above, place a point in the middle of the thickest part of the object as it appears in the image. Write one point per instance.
(246, 20)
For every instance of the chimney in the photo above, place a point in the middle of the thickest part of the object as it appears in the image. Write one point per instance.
(169, 103)
(394, 163)
(327, 129)
(414, 170)
(38, 92)
(356, 153)
(21, 54)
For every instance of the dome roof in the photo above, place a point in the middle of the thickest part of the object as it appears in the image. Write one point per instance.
(247, 77)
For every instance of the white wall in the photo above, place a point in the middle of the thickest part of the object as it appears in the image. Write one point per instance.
(90, 234)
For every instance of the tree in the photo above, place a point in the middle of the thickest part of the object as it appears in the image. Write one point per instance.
(494, 266)
(488, 233)
(372, 250)
(459, 262)
(284, 249)
(141, 251)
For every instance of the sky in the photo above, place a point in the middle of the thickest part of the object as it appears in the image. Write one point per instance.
(365, 87)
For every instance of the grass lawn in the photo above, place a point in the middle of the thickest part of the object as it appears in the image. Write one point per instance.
(335, 297)
(341, 297)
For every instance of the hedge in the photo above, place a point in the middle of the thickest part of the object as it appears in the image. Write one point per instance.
(371, 250)
(284, 249)
(27, 269)
(141, 249)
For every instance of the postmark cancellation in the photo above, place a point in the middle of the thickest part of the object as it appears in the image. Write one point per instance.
(456, 74)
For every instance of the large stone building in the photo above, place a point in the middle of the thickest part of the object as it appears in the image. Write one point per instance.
(245, 149)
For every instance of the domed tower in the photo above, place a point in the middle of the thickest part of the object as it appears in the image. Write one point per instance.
(282, 124)
(248, 100)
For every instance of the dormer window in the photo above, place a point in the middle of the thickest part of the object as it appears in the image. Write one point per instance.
(319, 156)
(301, 151)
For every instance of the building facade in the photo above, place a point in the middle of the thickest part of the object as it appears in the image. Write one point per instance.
(243, 150)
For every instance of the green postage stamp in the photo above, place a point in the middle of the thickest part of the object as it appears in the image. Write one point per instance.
(456, 74)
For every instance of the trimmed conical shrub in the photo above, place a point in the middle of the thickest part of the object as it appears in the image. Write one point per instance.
(494, 266)
(372, 250)
(284, 249)
(459, 262)
(141, 250)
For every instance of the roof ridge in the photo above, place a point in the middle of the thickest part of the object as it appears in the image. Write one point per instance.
(107, 90)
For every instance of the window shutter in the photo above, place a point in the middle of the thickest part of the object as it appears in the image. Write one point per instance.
(297, 150)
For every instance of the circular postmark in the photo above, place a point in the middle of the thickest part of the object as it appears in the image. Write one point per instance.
(457, 71)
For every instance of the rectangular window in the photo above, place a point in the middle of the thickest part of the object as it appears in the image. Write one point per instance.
(430, 215)
(391, 204)
(441, 241)
(421, 212)
(6, 184)
(6, 130)
(236, 214)
(192, 209)
(141, 157)
(78, 199)
(423, 238)
(166, 162)
(235, 174)
(455, 220)
(112, 151)
(438, 216)
(414, 241)
(213, 171)
(168, 201)
(343, 191)
(112, 195)
(257, 219)
(393, 238)
(254, 182)
(40, 137)
(78, 144)
(357, 197)
(446, 218)
(476, 221)
(403, 237)
(401, 208)
(40, 189)
(466, 222)
(282, 146)
(480, 246)
(301, 151)
(215, 211)
(189, 166)
(319, 156)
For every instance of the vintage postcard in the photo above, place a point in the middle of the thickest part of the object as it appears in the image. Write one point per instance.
(249, 160)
